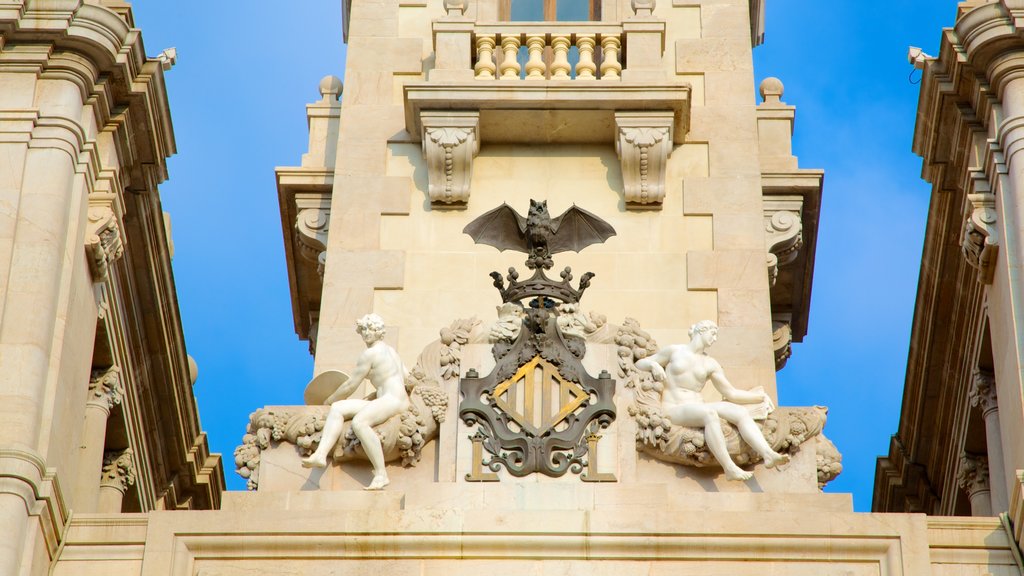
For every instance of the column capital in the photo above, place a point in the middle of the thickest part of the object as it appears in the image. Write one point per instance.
(105, 388)
(118, 469)
(972, 475)
(983, 391)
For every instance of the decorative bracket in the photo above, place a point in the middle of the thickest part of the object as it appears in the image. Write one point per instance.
(979, 241)
(450, 142)
(643, 142)
(311, 228)
(783, 226)
(782, 340)
(103, 241)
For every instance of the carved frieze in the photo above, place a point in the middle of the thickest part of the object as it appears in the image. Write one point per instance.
(103, 240)
(118, 469)
(105, 388)
(451, 140)
(643, 143)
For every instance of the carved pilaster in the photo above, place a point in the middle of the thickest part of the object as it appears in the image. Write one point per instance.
(643, 142)
(103, 241)
(783, 226)
(118, 470)
(983, 392)
(450, 142)
(979, 241)
(105, 388)
(782, 339)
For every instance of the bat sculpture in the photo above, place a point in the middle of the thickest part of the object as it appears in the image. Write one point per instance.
(538, 234)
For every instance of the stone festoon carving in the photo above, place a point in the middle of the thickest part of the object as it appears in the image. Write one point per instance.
(103, 241)
(980, 240)
(541, 360)
(402, 436)
(643, 143)
(450, 142)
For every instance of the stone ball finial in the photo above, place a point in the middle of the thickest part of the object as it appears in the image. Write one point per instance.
(330, 88)
(771, 89)
(643, 7)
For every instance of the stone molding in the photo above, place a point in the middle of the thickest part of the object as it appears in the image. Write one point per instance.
(106, 389)
(972, 475)
(118, 469)
(983, 392)
(24, 475)
(104, 241)
(450, 142)
(643, 143)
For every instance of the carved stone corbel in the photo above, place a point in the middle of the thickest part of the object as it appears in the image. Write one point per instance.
(979, 241)
(643, 142)
(783, 226)
(782, 340)
(103, 241)
(312, 226)
(450, 142)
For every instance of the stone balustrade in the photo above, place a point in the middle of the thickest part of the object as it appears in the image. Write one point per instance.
(496, 50)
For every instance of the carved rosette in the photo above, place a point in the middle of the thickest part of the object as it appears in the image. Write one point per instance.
(118, 469)
(103, 241)
(972, 476)
(450, 142)
(311, 229)
(979, 241)
(983, 392)
(105, 388)
(643, 143)
(784, 235)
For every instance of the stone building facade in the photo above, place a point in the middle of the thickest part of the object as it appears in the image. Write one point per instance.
(638, 113)
(959, 450)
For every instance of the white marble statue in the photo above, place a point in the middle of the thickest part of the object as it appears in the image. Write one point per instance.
(380, 364)
(684, 370)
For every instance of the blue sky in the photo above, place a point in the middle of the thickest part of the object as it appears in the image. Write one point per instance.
(246, 69)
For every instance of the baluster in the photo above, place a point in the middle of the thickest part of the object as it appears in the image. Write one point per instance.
(585, 68)
(535, 65)
(610, 67)
(560, 65)
(509, 63)
(485, 68)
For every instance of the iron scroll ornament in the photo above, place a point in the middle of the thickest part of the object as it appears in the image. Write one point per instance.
(542, 360)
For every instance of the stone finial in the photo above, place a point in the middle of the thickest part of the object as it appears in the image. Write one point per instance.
(330, 88)
(643, 7)
(105, 387)
(168, 58)
(972, 476)
(118, 469)
(771, 90)
(983, 391)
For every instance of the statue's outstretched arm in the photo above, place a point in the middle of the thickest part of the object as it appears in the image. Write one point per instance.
(655, 364)
(362, 369)
(729, 392)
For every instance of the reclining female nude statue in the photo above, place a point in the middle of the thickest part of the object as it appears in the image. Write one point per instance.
(381, 365)
(684, 370)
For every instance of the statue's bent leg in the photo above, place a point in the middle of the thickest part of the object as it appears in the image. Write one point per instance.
(751, 434)
(703, 416)
(375, 413)
(332, 431)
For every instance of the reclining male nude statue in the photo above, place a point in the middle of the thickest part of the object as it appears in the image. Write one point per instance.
(381, 365)
(684, 370)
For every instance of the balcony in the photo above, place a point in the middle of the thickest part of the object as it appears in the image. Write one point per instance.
(548, 82)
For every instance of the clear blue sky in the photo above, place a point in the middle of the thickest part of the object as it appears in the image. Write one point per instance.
(246, 69)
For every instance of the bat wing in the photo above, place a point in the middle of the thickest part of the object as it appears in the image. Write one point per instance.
(502, 228)
(576, 229)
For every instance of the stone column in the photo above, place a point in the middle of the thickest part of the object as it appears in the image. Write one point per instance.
(105, 390)
(118, 475)
(973, 478)
(983, 395)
